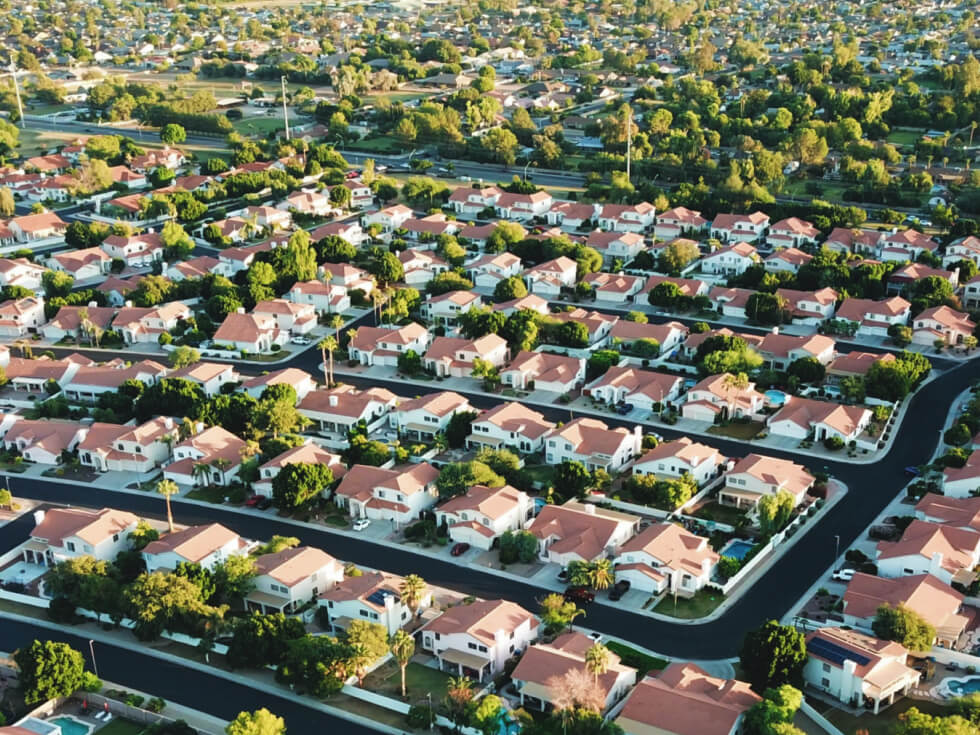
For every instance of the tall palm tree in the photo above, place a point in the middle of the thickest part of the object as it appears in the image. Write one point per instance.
(402, 647)
(459, 694)
(169, 440)
(411, 590)
(597, 659)
(602, 574)
(337, 321)
(327, 347)
(167, 488)
(202, 473)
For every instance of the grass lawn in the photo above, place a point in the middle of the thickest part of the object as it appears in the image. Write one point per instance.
(703, 603)
(267, 357)
(541, 475)
(904, 137)
(210, 494)
(720, 513)
(336, 520)
(884, 724)
(380, 144)
(419, 681)
(260, 126)
(35, 142)
(738, 431)
(640, 661)
(119, 726)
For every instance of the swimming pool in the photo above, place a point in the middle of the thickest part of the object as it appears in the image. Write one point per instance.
(736, 548)
(962, 687)
(775, 397)
(71, 726)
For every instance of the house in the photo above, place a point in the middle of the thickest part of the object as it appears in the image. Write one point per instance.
(872, 318)
(594, 444)
(522, 207)
(476, 639)
(688, 287)
(680, 457)
(730, 301)
(361, 195)
(685, 700)
(428, 415)
(935, 602)
(472, 201)
(43, 441)
(666, 558)
(115, 448)
(906, 245)
(955, 512)
(971, 293)
(256, 333)
(941, 323)
(786, 260)
(809, 307)
(348, 230)
(792, 233)
(544, 371)
(32, 376)
(207, 546)
(398, 495)
(747, 228)
(571, 216)
(597, 324)
(633, 218)
(964, 248)
(211, 376)
(447, 308)
(548, 278)
(428, 229)
(35, 227)
(19, 317)
(454, 356)
(720, 396)
(511, 425)
(489, 270)
(338, 410)
(581, 532)
(857, 669)
(300, 381)
(351, 278)
(625, 334)
(194, 268)
(138, 251)
(756, 475)
(679, 222)
(846, 240)
(212, 457)
(288, 579)
(782, 350)
(82, 265)
(949, 554)
(373, 596)
(855, 364)
(117, 290)
(904, 277)
(388, 219)
(325, 298)
(483, 513)
(961, 482)
(308, 453)
(614, 288)
(732, 260)
(311, 203)
(643, 389)
(288, 316)
(478, 236)
(21, 272)
(543, 663)
(421, 267)
(69, 533)
(383, 346)
(531, 302)
(803, 418)
(145, 325)
(613, 246)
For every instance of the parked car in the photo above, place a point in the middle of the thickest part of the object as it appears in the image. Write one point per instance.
(563, 575)
(300, 340)
(460, 549)
(619, 589)
(624, 409)
(912, 471)
(353, 174)
(843, 575)
(582, 595)
(254, 500)
(361, 523)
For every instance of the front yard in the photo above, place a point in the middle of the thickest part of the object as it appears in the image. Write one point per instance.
(217, 494)
(640, 661)
(419, 681)
(734, 430)
(703, 603)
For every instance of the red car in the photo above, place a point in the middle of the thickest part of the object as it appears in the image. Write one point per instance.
(581, 595)
(353, 174)
(460, 549)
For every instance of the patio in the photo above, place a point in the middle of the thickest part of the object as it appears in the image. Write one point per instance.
(21, 572)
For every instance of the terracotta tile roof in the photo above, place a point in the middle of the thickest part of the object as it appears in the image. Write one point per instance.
(493, 502)
(361, 481)
(774, 471)
(291, 566)
(956, 545)
(586, 534)
(935, 601)
(193, 543)
(438, 404)
(517, 418)
(544, 661)
(957, 512)
(91, 526)
(684, 449)
(483, 619)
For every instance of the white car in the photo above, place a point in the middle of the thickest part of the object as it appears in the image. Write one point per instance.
(843, 575)
(301, 340)
(361, 523)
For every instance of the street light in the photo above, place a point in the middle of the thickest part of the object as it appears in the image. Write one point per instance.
(91, 649)
(529, 163)
(836, 548)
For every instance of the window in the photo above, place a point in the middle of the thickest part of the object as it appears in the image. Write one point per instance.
(70, 545)
(363, 613)
(825, 683)
(482, 649)
(826, 667)
(472, 646)
(115, 537)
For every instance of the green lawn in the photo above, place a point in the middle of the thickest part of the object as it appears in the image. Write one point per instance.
(419, 680)
(720, 513)
(211, 494)
(738, 431)
(541, 475)
(119, 726)
(704, 602)
(380, 144)
(903, 137)
(260, 126)
(884, 724)
(640, 661)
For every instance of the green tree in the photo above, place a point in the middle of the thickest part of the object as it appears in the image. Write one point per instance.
(48, 670)
(299, 483)
(807, 369)
(501, 144)
(486, 715)
(402, 647)
(518, 546)
(459, 428)
(316, 665)
(774, 714)
(184, 356)
(262, 640)
(368, 641)
(571, 479)
(557, 613)
(167, 488)
(172, 134)
(458, 477)
(904, 626)
(509, 289)
(260, 722)
(233, 579)
(773, 655)
(914, 722)
(387, 269)
(677, 255)
(7, 204)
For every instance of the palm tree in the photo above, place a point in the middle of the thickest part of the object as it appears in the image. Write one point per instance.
(327, 346)
(249, 449)
(337, 321)
(222, 464)
(167, 488)
(602, 574)
(459, 694)
(597, 659)
(169, 440)
(201, 473)
(973, 129)
(402, 647)
(412, 589)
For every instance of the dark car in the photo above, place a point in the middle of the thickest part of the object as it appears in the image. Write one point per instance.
(912, 471)
(582, 595)
(619, 589)
(624, 408)
(460, 549)
(264, 503)
(563, 575)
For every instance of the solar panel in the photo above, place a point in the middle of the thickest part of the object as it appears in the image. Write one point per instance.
(834, 653)
(378, 596)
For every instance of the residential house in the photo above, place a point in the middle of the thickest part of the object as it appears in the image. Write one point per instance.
(680, 457)
(668, 336)
(941, 324)
(904, 277)
(667, 558)
(138, 251)
(313, 203)
(483, 514)
(679, 222)
(855, 364)
(857, 669)
(325, 298)
(424, 417)
(544, 371)
(308, 453)
(873, 318)
(398, 495)
(348, 230)
(476, 639)
(300, 381)
(688, 287)
(740, 227)
(20, 317)
(848, 240)
(792, 233)
(756, 475)
(730, 301)
(571, 216)
(340, 409)
(36, 227)
(21, 272)
(633, 218)
(90, 381)
(82, 265)
(643, 389)
(720, 396)
(786, 260)
(361, 195)
(962, 482)
(955, 512)
(383, 346)
(906, 245)
(388, 219)
(33, 376)
(211, 376)
(510, 425)
(531, 302)
(489, 270)
(612, 246)
(256, 333)
(288, 579)
(139, 325)
(782, 350)
(421, 266)
(454, 356)
(115, 448)
(194, 268)
(581, 532)
(597, 324)
(472, 201)
(447, 308)
(522, 207)
(69, 533)
(428, 229)
(288, 316)
(732, 260)
(963, 248)
(348, 276)
(208, 546)
(803, 418)
(809, 307)
(949, 554)
(594, 444)
(213, 456)
(614, 288)
(550, 277)
(373, 596)
(971, 293)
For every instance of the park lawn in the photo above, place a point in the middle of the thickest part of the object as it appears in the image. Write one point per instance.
(738, 431)
(120, 726)
(640, 661)
(904, 137)
(885, 723)
(419, 681)
(703, 603)
(36, 142)
(260, 126)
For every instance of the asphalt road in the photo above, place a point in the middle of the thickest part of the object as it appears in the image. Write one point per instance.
(181, 684)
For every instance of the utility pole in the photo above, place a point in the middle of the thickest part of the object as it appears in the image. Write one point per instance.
(20, 107)
(285, 112)
(629, 141)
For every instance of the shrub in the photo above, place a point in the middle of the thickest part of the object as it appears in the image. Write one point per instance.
(157, 704)
(833, 443)
(91, 683)
(61, 610)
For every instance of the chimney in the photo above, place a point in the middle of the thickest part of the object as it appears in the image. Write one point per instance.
(92, 304)
(240, 310)
(128, 304)
(333, 400)
(935, 562)
(38, 517)
(590, 509)
(775, 330)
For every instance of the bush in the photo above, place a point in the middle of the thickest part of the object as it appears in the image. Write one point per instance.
(833, 443)
(157, 704)
(134, 700)
(61, 610)
(91, 683)
(728, 566)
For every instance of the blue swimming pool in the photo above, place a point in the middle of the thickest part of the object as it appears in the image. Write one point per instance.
(736, 548)
(775, 397)
(962, 687)
(71, 726)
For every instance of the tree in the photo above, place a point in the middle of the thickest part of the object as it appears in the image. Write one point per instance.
(677, 255)
(914, 722)
(571, 479)
(369, 642)
(172, 133)
(501, 144)
(509, 289)
(459, 699)
(412, 591)
(458, 477)
(774, 714)
(518, 546)
(448, 281)
(767, 308)
(807, 369)
(166, 488)
(597, 660)
(328, 345)
(7, 204)
(184, 356)
(317, 665)
(262, 640)
(775, 510)
(402, 647)
(233, 578)
(387, 269)
(557, 613)
(773, 655)
(904, 626)
(57, 283)
(260, 722)
(459, 428)
(48, 670)
(486, 716)
(299, 483)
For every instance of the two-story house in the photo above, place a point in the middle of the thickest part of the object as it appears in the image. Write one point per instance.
(398, 495)
(427, 415)
(288, 579)
(338, 410)
(511, 425)
(68, 533)
(372, 596)
(581, 532)
(383, 346)
(665, 557)
(213, 456)
(594, 444)
(454, 356)
(756, 475)
(483, 513)
(207, 546)
(680, 457)
(643, 389)
(308, 453)
(544, 371)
